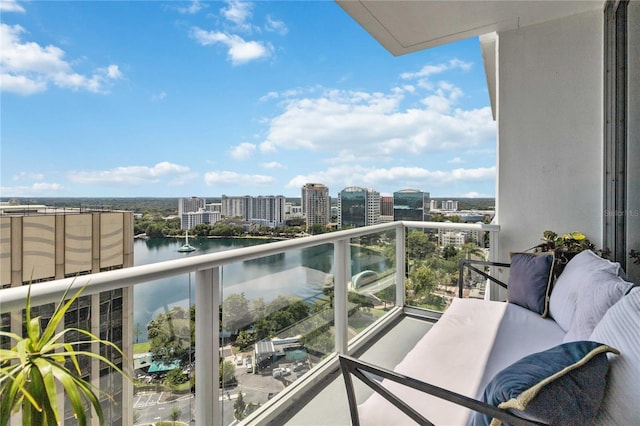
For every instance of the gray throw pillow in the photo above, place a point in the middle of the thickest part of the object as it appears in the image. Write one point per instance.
(530, 277)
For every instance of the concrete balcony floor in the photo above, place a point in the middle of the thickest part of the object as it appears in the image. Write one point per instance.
(327, 403)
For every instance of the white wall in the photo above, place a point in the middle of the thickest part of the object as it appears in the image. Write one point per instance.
(550, 131)
(633, 137)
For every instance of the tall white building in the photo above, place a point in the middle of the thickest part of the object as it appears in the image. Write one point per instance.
(191, 219)
(316, 204)
(450, 205)
(235, 206)
(267, 210)
(192, 204)
(188, 211)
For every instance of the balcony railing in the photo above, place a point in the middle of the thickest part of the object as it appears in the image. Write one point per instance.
(347, 249)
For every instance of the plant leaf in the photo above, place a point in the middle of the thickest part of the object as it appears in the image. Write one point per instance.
(50, 393)
(68, 381)
(78, 387)
(58, 315)
(37, 390)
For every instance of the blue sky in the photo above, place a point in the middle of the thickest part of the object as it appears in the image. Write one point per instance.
(153, 99)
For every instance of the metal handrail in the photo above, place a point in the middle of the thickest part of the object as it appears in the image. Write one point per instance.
(468, 263)
(352, 366)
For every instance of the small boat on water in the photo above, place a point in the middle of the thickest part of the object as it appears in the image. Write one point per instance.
(186, 247)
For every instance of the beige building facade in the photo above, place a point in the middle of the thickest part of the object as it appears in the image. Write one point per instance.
(49, 244)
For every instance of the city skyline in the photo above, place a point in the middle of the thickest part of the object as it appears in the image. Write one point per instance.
(232, 98)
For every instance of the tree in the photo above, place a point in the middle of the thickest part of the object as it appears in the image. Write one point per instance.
(245, 339)
(154, 230)
(171, 335)
(470, 249)
(258, 309)
(176, 377)
(175, 414)
(227, 372)
(201, 230)
(449, 252)
(419, 246)
(235, 312)
(238, 407)
(317, 228)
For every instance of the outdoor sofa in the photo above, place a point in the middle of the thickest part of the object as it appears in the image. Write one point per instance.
(560, 351)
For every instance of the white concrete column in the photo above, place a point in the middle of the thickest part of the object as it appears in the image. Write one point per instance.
(207, 337)
(342, 271)
(401, 256)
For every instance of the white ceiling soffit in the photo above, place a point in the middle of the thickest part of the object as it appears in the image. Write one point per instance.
(408, 26)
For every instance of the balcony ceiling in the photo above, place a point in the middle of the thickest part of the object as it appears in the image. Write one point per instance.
(408, 26)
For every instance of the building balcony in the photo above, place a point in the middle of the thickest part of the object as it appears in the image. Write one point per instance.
(362, 301)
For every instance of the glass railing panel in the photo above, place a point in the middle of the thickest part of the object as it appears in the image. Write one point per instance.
(277, 323)
(371, 287)
(163, 349)
(433, 264)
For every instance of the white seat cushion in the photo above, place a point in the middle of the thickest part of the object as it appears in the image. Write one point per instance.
(620, 328)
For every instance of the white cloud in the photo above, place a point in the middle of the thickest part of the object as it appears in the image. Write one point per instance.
(156, 97)
(363, 125)
(455, 160)
(238, 12)
(273, 165)
(28, 68)
(243, 151)
(21, 85)
(276, 26)
(28, 176)
(341, 176)
(228, 178)
(429, 70)
(129, 175)
(39, 188)
(10, 6)
(193, 8)
(239, 50)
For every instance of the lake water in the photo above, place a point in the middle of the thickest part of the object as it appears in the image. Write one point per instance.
(300, 273)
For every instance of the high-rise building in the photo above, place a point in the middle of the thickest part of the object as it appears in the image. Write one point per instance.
(358, 207)
(45, 244)
(450, 205)
(192, 204)
(316, 204)
(267, 210)
(410, 204)
(386, 205)
(186, 209)
(191, 219)
(235, 207)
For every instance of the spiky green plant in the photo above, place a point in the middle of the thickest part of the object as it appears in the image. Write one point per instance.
(31, 370)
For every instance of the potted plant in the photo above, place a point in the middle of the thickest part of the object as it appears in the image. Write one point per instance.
(32, 368)
(565, 247)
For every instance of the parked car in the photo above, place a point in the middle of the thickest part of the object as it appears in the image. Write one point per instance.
(281, 372)
(239, 360)
(249, 367)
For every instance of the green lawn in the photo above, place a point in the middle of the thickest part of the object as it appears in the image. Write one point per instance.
(141, 348)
